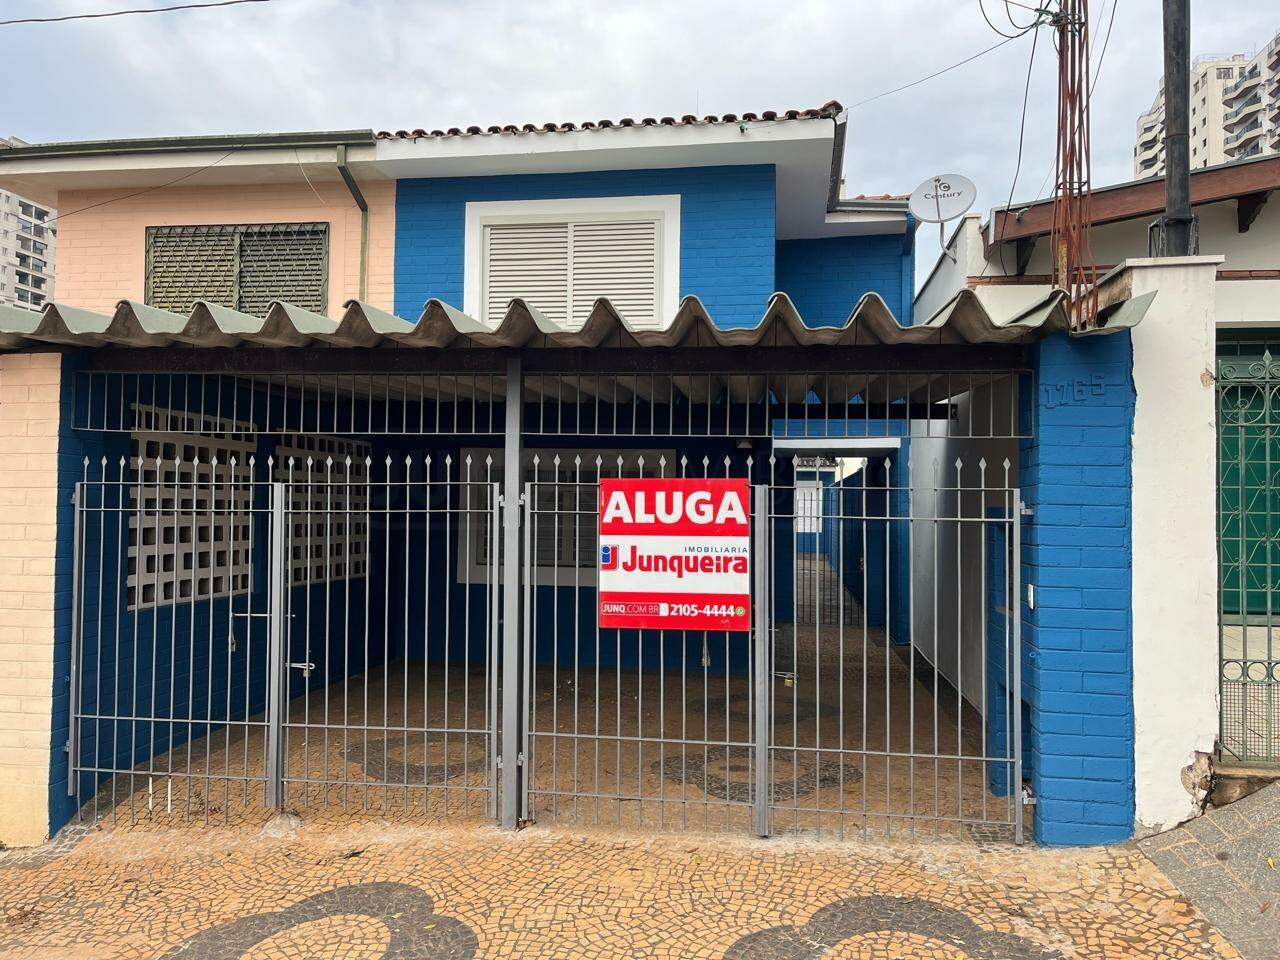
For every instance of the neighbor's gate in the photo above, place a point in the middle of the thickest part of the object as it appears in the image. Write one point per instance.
(1248, 391)
(302, 632)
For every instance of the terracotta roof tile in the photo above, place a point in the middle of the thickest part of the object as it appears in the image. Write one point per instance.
(828, 110)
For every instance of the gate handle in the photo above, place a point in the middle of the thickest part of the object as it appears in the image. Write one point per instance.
(306, 668)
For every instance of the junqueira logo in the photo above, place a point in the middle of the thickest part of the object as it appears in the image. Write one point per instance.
(608, 557)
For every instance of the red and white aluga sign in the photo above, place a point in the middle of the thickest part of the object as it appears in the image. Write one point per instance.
(675, 554)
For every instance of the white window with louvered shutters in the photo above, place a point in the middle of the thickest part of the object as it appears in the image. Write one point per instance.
(529, 261)
(562, 256)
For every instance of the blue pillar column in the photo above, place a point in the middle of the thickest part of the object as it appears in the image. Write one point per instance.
(1077, 553)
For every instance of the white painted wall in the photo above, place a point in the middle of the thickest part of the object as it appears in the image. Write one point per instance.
(1175, 645)
(1258, 248)
(948, 559)
(949, 275)
(1239, 302)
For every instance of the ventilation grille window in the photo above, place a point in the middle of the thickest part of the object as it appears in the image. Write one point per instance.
(244, 267)
(190, 510)
(328, 506)
(562, 269)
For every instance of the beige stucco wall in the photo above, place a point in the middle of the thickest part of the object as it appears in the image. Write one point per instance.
(102, 249)
(29, 386)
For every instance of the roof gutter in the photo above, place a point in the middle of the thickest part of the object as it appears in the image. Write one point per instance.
(874, 206)
(163, 145)
(837, 162)
(834, 200)
(345, 172)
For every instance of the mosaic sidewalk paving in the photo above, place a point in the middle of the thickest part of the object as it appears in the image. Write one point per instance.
(1228, 863)
(375, 890)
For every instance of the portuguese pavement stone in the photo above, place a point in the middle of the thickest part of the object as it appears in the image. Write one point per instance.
(351, 888)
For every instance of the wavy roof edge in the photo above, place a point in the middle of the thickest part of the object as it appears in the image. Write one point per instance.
(962, 320)
(828, 111)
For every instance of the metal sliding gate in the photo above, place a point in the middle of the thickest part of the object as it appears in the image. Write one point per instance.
(268, 615)
(888, 685)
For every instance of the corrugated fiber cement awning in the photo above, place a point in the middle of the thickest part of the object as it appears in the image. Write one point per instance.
(963, 320)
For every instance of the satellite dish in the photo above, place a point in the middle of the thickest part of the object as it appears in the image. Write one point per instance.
(942, 198)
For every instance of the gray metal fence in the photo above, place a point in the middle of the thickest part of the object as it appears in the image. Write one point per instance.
(386, 613)
(322, 630)
(890, 683)
(878, 694)
(303, 633)
(633, 728)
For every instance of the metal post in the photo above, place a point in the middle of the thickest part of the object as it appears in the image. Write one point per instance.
(761, 635)
(277, 694)
(1177, 220)
(73, 736)
(1015, 693)
(512, 781)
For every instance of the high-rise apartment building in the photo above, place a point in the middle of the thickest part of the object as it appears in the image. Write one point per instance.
(1210, 77)
(1235, 112)
(1252, 103)
(27, 242)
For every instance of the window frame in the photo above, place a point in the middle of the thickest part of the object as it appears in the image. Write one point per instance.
(471, 558)
(664, 209)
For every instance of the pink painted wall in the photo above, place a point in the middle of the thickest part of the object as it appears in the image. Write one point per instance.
(102, 250)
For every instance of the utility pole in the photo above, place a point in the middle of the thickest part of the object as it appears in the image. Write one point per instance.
(1177, 221)
(1074, 268)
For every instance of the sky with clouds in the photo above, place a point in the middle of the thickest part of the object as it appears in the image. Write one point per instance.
(391, 64)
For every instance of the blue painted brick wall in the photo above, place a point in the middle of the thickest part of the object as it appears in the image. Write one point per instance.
(73, 447)
(726, 230)
(1077, 642)
(826, 278)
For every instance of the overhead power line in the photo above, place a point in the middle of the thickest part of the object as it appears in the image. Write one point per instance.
(127, 13)
(1021, 29)
(937, 73)
(152, 189)
(1022, 131)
